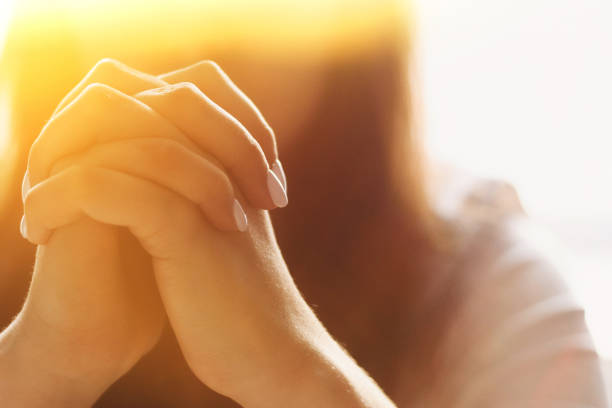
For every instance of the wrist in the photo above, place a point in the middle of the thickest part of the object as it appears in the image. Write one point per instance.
(35, 371)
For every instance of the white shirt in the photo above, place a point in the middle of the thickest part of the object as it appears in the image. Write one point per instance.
(517, 337)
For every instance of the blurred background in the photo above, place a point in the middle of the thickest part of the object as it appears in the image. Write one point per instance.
(522, 90)
(519, 90)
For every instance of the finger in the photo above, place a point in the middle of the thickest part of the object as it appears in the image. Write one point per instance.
(220, 134)
(99, 114)
(112, 73)
(217, 85)
(164, 222)
(116, 75)
(173, 166)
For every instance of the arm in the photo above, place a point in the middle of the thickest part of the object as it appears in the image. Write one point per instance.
(41, 368)
(519, 339)
(241, 323)
(29, 376)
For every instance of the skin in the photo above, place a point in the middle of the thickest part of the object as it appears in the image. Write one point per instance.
(166, 158)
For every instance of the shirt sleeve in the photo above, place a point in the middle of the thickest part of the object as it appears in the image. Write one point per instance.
(518, 339)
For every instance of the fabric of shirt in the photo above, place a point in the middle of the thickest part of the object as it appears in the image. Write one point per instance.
(517, 337)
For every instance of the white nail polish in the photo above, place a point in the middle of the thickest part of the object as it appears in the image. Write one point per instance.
(25, 185)
(276, 190)
(240, 217)
(23, 228)
(277, 168)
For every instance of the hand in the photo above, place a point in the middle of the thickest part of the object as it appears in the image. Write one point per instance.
(92, 310)
(198, 179)
(240, 321)
(109, 305)
(94, 241)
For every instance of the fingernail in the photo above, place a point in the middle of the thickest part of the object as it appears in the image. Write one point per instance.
(277, 192)
(25, 185)
(277, 168)
(240, 217)
(23, 228)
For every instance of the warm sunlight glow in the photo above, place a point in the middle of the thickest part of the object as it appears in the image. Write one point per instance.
(291, 28)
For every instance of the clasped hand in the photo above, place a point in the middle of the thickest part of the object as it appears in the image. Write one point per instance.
(183, 161)
(186, 164)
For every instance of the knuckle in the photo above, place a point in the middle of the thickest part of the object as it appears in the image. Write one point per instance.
(95, 96)
(202, 71)
(105, 68)
(176, 96)
(183, 93)
(208, 66)
(97, 91)
(185, 89)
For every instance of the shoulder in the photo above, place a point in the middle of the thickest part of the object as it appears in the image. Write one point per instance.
(516, 334)
(494, 240)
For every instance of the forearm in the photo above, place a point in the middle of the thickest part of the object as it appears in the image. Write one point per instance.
(334, 379)
(32, 375)
(316, 373)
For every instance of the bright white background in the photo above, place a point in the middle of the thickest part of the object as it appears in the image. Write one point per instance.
(522, 90)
